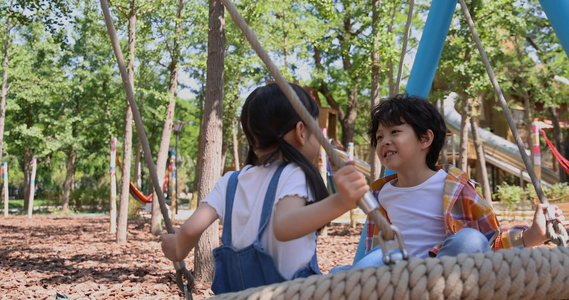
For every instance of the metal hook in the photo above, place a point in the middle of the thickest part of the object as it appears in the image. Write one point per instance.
(393, 256)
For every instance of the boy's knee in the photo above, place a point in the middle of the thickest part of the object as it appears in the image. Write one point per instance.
(466, 240)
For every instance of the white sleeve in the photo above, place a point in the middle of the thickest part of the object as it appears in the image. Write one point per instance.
(293, 183)
(216, 197)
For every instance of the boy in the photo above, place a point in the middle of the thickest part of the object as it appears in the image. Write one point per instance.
(436, 209)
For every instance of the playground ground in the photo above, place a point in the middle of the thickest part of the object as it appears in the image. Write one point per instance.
(76, 257)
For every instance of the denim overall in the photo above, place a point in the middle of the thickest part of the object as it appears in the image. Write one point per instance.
(239, 269)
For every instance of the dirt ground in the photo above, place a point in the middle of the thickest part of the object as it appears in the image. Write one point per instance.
(51, 257)
(75, 257)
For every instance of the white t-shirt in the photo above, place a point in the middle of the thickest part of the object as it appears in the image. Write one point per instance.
(417, 212)
(249, 196)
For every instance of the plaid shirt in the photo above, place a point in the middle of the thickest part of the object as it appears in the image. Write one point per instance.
(463, 208)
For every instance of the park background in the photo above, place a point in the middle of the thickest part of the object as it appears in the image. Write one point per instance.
(63, 98)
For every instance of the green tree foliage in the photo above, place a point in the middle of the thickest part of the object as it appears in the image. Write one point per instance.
(66, 93)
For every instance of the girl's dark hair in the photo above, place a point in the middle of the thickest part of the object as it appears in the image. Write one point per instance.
(266, 117)
(415, 111)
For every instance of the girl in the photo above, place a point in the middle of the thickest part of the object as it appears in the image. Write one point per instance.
(275, 204)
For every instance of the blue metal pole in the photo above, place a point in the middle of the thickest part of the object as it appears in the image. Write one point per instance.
(557, 12)
(430, 47)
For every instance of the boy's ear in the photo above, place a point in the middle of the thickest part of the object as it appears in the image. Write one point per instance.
(427, 139)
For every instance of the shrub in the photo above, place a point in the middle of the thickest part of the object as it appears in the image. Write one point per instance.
(510, 195)
(559, 189)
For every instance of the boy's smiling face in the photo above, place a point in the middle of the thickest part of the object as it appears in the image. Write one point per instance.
(399, 149)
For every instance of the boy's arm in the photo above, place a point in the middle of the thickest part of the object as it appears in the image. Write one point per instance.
(177, 246)
(294, 219)
(536, 234)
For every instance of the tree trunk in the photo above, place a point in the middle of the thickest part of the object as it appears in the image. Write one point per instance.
(390, 71)
(558, 138)
(68, 178)
(349, 121)
(200, 142)
(375, 86)
(137, 177)
(213, 121)
(323, 87)
(4, 92)
(127, 140)
(162, 157)
(235, 146)
(528, 118)
(483, 174)
(463, 148)
(27, 160)
(224, 150)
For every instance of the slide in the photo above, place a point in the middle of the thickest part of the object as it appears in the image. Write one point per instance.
(497, 150)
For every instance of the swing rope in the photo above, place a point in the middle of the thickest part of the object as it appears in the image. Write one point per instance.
(555, 230)
(181, 272)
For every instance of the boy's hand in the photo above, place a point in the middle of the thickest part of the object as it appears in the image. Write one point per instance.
(351, 184)
(537, 233)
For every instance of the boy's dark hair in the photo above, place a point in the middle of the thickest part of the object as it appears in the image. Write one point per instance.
(266, 117)
(415, 111)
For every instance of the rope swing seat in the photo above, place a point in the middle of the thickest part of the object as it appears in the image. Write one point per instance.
(538, 273)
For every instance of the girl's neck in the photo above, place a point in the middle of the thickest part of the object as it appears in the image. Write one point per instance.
(414, 177)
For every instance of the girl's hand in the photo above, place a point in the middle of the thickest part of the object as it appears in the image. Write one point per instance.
(351, 184)
(169, 245)
(537, 233)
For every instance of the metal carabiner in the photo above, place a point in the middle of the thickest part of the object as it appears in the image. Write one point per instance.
(393, 256)
(181, 274)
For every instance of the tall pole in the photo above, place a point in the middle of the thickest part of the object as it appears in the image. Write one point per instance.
(536, 149)
(173, 185)
(32, 187)
(176, 169)
(5, 175)
(177, 129)
(113, 174)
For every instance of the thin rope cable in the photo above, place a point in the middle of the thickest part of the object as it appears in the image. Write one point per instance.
(404, 47)
(368, 204)
(179, 266)
(556, 231)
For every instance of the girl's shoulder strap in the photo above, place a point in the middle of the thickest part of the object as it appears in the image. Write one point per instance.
(229, 197)
(269, 200)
